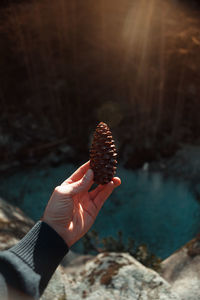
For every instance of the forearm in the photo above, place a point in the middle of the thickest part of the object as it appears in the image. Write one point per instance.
(28, 266)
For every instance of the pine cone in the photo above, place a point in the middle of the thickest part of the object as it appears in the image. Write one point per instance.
(103, 155)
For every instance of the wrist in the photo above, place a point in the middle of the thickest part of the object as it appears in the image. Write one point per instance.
(57, 228)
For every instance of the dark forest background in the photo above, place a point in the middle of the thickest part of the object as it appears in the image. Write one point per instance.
(66, 65)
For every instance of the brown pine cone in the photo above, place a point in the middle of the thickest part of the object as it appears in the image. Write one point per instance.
(103, 155)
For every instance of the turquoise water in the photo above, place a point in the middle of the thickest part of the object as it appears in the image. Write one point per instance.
(160, 213)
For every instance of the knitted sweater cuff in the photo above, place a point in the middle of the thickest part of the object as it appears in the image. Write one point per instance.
(42, 249)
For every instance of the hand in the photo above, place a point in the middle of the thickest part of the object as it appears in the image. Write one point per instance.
(72, 209)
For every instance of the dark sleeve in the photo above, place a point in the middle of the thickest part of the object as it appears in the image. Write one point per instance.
(27, 267)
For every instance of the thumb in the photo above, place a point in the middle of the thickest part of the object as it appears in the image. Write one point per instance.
(83, 184)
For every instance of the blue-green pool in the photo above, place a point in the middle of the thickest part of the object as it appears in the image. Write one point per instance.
(160, 213)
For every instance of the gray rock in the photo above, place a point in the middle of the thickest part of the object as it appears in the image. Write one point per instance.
(116, 276)
(182, 270)
(74, 260)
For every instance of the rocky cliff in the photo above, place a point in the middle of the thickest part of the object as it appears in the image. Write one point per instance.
(110, 276)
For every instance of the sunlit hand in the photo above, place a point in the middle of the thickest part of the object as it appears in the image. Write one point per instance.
(72, 209)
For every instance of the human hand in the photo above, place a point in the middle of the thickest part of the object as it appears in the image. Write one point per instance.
(72, 209)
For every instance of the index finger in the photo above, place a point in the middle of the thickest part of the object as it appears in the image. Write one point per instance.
(105, 191)
(103, 194)
(79, 173)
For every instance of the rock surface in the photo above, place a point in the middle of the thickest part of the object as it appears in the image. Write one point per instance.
(116, 276)
(181, 270)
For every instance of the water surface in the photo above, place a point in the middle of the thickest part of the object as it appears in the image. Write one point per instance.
(163, 214)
